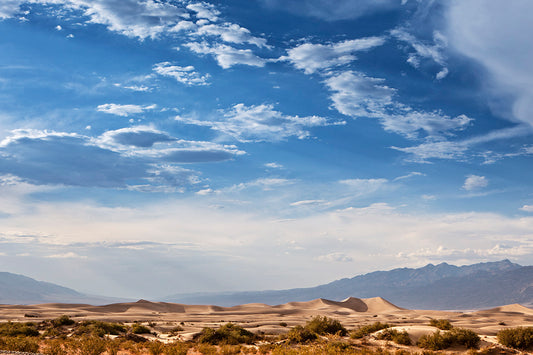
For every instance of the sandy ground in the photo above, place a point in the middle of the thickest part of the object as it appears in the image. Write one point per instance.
(352, 312)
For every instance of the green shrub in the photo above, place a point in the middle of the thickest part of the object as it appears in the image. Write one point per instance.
(228, 334)
(465, 337)
(301, 335)
(435, 341)
(442, 340)
(368, 329)
(11, 329)
(395, 336)
(63, 320)
(518, 338)
(324, 325)
(137, 328)
(443, 324)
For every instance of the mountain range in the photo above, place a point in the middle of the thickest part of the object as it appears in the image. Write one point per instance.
(438, 287)
(19, 289)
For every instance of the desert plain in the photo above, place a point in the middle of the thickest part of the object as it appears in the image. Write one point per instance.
(277, 320)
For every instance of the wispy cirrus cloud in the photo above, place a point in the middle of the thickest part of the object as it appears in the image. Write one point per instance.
(425, 51)
(259, 123)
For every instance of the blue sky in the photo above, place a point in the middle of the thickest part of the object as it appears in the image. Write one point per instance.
(156, 147)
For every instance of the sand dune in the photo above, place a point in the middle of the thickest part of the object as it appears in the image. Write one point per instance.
(352, 312)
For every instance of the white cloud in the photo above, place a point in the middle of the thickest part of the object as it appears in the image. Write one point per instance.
(265, 184)
(499, 39)
(259, 123)
(475, 182)
(204, 10)
(274, 165)
(124, 110)
(8, 8)
(357, 95)
(335, 257)
(227, 56)
(308, 203)
(333, 11)
(58, 28)
(231, 33)
(68, 255)
(527, 208)
(408, 176)
(139, 88)
(312, 57)
(432, 51)
(186, 75)
(359, 187)
(132, 18)
(439, 150)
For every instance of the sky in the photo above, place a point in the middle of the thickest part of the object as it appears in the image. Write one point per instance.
(154, 147)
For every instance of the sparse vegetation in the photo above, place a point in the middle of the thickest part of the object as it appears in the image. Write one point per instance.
(442, 340)
(368, 329)
(137, 328)
(517, 338)
(99, 328)
(324, 325)
(11, 329)
(395, 336)
(229, 334)
(63, 320)
(442, 324)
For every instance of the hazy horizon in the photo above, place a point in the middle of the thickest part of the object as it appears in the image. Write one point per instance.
(156, 147)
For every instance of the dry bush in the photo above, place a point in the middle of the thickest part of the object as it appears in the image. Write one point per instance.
(443, 324)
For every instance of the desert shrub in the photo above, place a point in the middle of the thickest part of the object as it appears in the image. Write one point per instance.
(137, 328)
(229, 334)
(11, 329)
(465, 337)
(178, 348)
(19, 343)
(113, 346)
(230, 350)
(283, 324)
(300, 335)
(99, 328)
(54, 347)
(443, 324)
(395, 336)
(156, 347)
(442, 340)
(518, 338)
(435, 341)
(368, 329)
(63, 320)
(90, 345)
(206, 349)
(324, 325)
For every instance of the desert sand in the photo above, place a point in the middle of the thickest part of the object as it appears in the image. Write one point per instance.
(256, 317)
